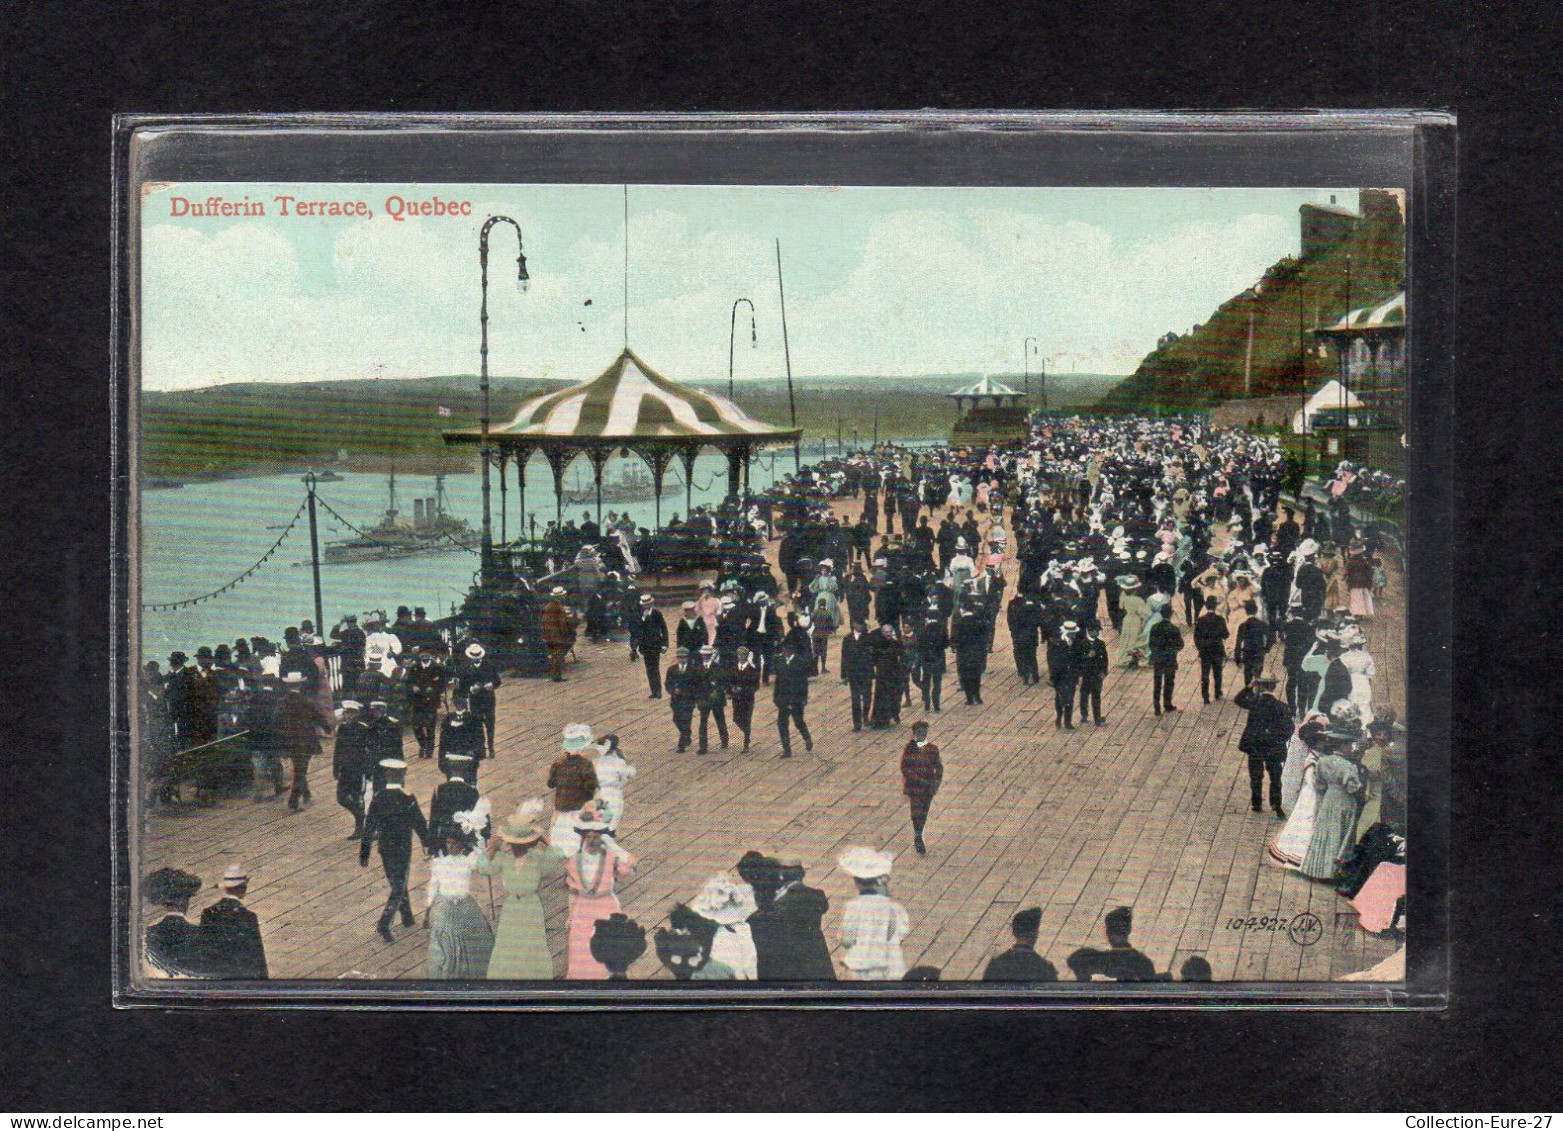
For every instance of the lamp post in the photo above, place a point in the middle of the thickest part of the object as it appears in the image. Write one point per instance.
(1026, 347)
(521, 281)
(732, 330)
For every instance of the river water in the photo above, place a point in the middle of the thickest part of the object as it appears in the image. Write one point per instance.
(199, 537)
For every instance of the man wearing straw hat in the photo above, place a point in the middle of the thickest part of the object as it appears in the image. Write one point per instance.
(477, 680)
(558, 632)
(649, 638)
(394, 818)
(233, 934)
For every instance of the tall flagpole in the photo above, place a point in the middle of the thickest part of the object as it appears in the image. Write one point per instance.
(626, 266)
(792, 406)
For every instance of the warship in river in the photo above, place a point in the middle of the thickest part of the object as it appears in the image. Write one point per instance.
(632, 486)
(431, 530)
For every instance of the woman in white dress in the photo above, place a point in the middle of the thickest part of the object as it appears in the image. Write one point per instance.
(873, 924)
(612, 774)
(727, 903)
(1359, 663)
(460, 939)
(1300, 799)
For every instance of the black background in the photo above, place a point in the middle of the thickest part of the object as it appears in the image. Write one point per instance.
(67, 68)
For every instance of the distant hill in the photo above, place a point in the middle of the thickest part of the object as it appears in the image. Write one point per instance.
(241, 428)
(1195, 370)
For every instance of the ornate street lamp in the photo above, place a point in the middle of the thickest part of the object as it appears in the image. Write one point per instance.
(486, 457)
(732, 331)
(1026, 348)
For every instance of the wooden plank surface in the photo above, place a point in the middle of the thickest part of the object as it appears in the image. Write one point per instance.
(1142, 812)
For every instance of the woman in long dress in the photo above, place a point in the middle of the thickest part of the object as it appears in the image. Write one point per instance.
(1130, 647)
(1359, 664)
(593, 874)
(1337, 781)
(1291, 843)
(872, 924)
(726, 903)
(521, 946)
(1359, 581)
(612, 774)
(460, 940)
(1334, 577)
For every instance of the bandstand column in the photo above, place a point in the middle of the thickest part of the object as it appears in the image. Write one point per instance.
(687, 456)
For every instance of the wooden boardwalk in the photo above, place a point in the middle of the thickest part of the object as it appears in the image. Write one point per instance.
(1143, 812)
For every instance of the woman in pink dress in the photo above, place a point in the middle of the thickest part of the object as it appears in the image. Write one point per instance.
(708, 607)
(593, 874)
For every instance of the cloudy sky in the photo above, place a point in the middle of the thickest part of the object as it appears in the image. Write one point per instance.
(879, 281)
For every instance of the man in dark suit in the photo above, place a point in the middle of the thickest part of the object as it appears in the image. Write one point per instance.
(394, 819)
(971, 653)
(1275, 585)
(1265, 735)
(299, 724)
(1253, 641)
(232, 931)
(202, 695)
(453, 795)
(477, 679)
(691, 632)
(763, 634)
(791, 696)
(1297, 637)
(789, 940)
(710, 691)
(352, 764)
(349, 645)
(175, 947)
(425, 688)
(743, 684)
(683, 688)
(857, 672)
(461, 732)
(1308, 581)
(1210, 642)
(933, 641)
(1091, 666)
(1164, 643)
(1062, 675)
(1025, 620)
(922, 771)
(1021, 962)
(649, 638)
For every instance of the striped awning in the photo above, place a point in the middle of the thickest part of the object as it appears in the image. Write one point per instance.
(1386, 316)
(987, 387)
(632, 401)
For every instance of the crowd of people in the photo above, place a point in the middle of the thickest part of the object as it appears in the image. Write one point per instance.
(1130, 541)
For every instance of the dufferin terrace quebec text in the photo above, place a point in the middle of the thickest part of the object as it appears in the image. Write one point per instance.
(396, 207)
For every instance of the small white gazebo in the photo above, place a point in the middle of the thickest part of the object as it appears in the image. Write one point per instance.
(1332, 395)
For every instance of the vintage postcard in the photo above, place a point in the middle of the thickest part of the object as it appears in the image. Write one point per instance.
(571, 587)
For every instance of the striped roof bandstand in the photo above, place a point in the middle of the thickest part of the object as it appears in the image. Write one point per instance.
(630, 400)
(1389, 316)
(987, 387)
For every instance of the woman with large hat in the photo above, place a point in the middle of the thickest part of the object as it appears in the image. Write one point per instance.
(593, 873)
(460, 940)
(1130, 646)
(873, 924)
(727, 903)
(523, 862)
(1338, 782)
